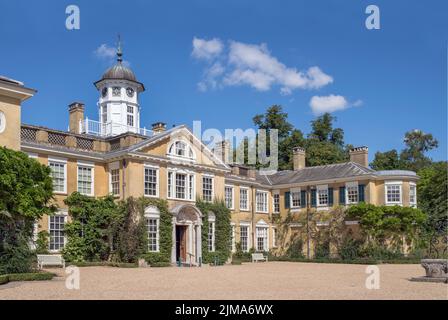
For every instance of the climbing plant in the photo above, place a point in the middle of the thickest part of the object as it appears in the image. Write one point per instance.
(222, 231)
(165, 231)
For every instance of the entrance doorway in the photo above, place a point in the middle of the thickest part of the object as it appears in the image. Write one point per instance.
(181, 243)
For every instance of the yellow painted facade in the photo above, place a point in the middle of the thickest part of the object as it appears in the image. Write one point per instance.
(130, 154)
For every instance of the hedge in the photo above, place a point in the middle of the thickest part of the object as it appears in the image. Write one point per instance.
(351, 261)
(160, 264)
(103, 264)
(33, 276)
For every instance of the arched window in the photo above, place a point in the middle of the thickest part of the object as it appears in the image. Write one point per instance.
(181, 149)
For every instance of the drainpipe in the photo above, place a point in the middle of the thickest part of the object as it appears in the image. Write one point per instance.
(308, 207)
(124, 177)
(254, 203)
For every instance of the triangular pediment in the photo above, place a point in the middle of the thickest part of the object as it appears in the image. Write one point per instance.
(164, 145)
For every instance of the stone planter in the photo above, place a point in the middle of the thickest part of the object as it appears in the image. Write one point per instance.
(436, 270)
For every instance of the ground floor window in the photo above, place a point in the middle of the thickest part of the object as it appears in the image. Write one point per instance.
(211, 236)
(152, 226)
(57, 236)
(262, 239)
(232, 238)
(244, 238)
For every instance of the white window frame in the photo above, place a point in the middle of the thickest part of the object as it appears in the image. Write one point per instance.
(60, 161)
(414, 186)
(274, 194)
(249, 242)
(172, 150)
(171, 194)
(114, 166)
(61, 213)
(211, 221)
(266, 196)
(232, 206)
(297, 191)
(154, 214)
(88, 165)
(351, 184)
(157, 169)
(323, 187)
(247, 207)
(212, 177)
(393, 183)
(262, 231)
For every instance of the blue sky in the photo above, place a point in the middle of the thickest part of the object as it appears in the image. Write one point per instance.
(388, 81)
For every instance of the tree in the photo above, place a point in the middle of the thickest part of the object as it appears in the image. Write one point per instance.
(432, 192)
(325, 144)
(26, 191)
(388, 160)
(274, 118)
(288, 137)
(417, 144)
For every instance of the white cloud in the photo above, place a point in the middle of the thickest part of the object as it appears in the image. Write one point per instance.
(105, 52)
(108, 54)
(253, 65)
(331, 103)
(206, 49)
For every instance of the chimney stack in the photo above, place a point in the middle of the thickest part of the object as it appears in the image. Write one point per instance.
(222, 151)
(360, 155)
(158, 127)
(76, 114)
(298, 158)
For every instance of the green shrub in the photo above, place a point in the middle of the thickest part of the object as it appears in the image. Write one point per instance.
(350, 249)
(375, 252)
(75, 249)
(322, 250)
(33, 276)
(160, 264)
(16, 255)
(4, 278)
(42, 242)
(103, 264)
(295, 249)
(155, 257)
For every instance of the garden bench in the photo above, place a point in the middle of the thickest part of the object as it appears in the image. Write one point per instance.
(50, 260)
(259, 257)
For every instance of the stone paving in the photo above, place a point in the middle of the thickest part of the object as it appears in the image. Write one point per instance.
(272, 280)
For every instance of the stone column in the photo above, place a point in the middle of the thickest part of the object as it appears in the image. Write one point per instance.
(198, 243)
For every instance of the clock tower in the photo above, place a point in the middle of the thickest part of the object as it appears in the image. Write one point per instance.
(118, 105)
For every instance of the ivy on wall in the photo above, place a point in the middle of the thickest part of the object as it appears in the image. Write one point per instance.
(222, 231)
(165, 232)
(103, 230)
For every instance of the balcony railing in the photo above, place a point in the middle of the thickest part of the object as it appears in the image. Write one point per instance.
(108, 129)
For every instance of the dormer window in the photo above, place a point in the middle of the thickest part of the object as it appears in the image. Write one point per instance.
(181, 149)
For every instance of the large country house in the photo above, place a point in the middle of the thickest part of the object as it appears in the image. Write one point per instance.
(116, 156)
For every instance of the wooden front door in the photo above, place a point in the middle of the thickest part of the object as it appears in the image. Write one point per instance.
(181, 243)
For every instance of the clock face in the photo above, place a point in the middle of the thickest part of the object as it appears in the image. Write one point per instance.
(104, 92)
(2, 122)
(130, 92)
(116, 91)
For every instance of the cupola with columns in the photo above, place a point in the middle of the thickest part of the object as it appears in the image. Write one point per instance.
(118, 103)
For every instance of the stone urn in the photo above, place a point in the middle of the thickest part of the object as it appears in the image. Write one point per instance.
(436, 270)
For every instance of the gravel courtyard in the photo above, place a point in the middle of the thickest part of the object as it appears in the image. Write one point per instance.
(273, 280)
